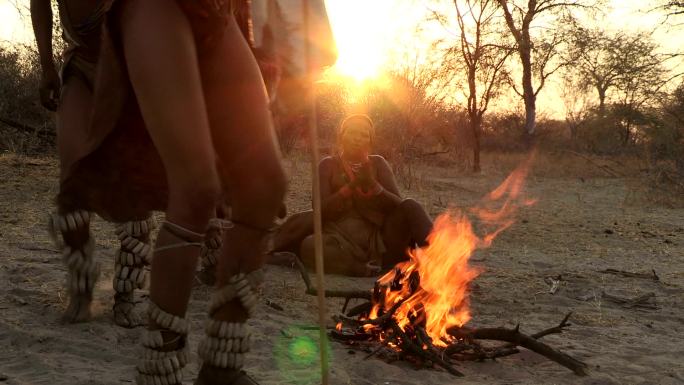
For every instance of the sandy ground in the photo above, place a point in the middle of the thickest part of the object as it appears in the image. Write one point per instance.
(579, 227)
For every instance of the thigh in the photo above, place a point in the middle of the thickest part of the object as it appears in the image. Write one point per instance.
(72, 120)
(161, 58)
(291, 233)
(239, 115)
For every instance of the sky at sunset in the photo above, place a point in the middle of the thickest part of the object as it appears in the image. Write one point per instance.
(372, 34)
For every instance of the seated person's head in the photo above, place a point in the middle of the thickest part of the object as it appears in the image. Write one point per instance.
(355, 136)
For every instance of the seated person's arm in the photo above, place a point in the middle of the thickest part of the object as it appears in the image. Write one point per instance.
(333, 203)
(385, 192)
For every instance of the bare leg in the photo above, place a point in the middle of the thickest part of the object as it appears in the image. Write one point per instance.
(162, 62)
(407, 226)
(165, 76)
(292, 232)
(78, 250)
(72, 120)
(243, 135)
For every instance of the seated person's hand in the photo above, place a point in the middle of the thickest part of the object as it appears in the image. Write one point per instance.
(364, 177)
(365, 180)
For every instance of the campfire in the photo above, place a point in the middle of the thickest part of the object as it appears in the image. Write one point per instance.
(419, 310)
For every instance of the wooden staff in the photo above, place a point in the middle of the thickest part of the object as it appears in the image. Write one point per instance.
(316, 196)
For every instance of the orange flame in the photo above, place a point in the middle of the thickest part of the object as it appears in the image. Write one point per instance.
(441, 299)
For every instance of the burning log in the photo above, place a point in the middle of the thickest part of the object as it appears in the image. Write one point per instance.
(363, 308)
(409, 345)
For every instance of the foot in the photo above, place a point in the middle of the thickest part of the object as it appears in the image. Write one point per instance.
(125, 314)
(210, 375)
(78, 309)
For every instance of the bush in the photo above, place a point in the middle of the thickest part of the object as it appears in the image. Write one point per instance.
(25, 126)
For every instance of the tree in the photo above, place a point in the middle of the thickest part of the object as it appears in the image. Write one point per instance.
(577, 105)
(674, 7)
(625, 62)
(483, 57)
(404, 111)
(536, 54)
(674, 111)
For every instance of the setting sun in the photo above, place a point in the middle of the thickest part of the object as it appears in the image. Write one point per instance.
(363, 34)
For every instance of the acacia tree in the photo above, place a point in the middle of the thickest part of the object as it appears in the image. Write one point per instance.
(624, 69)
(536, 54)
(625, 62)
(577, 104)
(483, 56)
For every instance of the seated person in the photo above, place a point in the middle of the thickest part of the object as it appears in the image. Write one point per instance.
(367, 225)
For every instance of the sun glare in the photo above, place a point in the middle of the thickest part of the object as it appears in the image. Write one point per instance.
(360, 36)
(12, 28)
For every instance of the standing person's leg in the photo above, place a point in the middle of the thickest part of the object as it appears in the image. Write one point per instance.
(161, 58)
(407, 226)
(74, 226)
(244, 138)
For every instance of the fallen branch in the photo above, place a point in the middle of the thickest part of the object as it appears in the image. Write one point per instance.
(500, 351)
(342, 336)
(486, 354)
(554, 330)
(641, 301)
(38, 248)
(629, 274)
(311, 290)
(515, 338)
(426, 154)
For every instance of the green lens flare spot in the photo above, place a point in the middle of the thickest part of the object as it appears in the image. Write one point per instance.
(303, 351)
(297, 355)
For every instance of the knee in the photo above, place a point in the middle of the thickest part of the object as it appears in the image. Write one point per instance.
(198, 199)
(410, 206)
(306, 252)
(261, 195)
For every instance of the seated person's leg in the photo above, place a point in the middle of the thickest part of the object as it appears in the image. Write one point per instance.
(336, 259)
(292, 232)
(406, 227)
